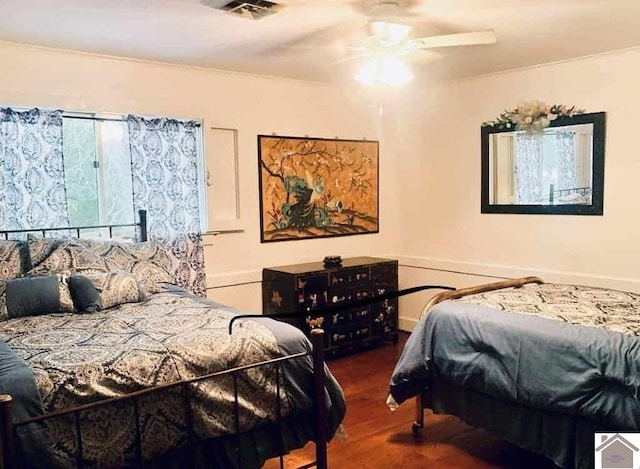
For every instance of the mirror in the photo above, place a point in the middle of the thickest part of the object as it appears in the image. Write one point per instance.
(558, 170)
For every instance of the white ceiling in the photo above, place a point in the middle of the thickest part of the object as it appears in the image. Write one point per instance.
(529, 32)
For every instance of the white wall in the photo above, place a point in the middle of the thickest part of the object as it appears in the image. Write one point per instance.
(254, 105)
(429, 169)
(444, 231)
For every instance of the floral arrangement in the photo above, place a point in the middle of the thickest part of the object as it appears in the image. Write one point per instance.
(532, 116)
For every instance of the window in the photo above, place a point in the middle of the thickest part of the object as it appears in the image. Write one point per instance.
(79, 169)
(97, 166)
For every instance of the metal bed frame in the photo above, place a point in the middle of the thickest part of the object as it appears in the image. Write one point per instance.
(421, 398)
(142, 226)
(8, 450)
(8, 428)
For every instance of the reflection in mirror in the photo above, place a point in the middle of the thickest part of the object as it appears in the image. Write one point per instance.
(540, 168)
(558, 169)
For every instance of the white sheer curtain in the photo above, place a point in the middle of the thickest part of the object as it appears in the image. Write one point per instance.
(529, 168)
(566, 154)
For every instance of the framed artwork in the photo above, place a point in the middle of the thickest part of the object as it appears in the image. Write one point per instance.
(317, 188)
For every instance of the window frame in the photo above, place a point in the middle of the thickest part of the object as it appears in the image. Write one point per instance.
(101, 116)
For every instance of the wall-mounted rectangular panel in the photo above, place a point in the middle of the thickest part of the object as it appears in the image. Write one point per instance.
(222, 179)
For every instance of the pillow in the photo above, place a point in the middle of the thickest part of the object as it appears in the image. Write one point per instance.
(13, 259)
(68, 257)
(115, 288)
(31, 296)
(187, 264)
(147, 261)
(84, 294)
(39, 249)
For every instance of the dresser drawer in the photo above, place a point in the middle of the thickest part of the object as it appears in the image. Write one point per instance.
(385, 275)
(349, 294)
(349, 276)
(347, 318)
(343, 337)
(312, 292)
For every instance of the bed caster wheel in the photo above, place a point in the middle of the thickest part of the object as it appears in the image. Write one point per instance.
(416, 427)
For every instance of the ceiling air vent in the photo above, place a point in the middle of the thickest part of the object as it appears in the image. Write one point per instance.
(252, 9)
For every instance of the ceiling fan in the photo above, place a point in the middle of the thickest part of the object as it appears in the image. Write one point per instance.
(389, 43)
(390, 25)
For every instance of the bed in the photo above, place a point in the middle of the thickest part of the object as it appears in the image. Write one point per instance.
(543, 366)
(154, 376)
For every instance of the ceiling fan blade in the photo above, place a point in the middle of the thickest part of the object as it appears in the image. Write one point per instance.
(451, 40)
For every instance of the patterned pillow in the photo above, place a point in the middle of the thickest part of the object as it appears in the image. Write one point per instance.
(30, 296)
(148, 261)
(187, 264)
(39, 249)
(12, 259)
(66, 256)
(115, 288)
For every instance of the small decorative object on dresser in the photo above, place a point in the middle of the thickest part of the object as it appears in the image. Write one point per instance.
(332, 261)
(305, 288)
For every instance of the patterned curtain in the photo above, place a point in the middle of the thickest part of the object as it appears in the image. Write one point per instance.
(566, 151)
(164, 166)
(529, 168)
(32, 189)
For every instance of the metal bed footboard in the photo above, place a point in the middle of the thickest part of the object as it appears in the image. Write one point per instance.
(453, 295)
(8, 428)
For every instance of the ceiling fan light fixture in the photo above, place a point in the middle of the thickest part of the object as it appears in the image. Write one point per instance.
(384, 70)
(393, 33)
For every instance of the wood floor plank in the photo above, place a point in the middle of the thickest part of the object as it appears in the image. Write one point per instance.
(378, 438)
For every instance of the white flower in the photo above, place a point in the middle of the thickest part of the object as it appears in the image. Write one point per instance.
(532, 116)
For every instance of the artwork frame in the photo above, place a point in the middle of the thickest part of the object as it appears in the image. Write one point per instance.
(313, 187)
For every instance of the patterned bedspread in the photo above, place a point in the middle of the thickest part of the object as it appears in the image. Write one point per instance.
(587, 306)
(78, 359)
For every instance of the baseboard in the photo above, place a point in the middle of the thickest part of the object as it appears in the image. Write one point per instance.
(406, 324)
(494, 271)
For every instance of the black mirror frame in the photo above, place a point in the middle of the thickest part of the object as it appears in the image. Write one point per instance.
(597, 205)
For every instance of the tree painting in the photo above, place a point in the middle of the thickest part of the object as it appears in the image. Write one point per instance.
(313, 188)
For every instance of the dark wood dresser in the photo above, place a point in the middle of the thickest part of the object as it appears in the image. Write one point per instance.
(305, 288)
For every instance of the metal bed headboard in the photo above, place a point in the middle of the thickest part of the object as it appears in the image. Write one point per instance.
(142, 224)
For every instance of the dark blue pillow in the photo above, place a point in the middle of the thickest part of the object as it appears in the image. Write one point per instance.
(86, 297)
(31, 296)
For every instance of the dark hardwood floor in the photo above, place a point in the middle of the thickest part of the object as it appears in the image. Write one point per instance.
(378, 438)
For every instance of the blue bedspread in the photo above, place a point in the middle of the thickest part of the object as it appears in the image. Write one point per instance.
(536, 362)
(16, 379)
